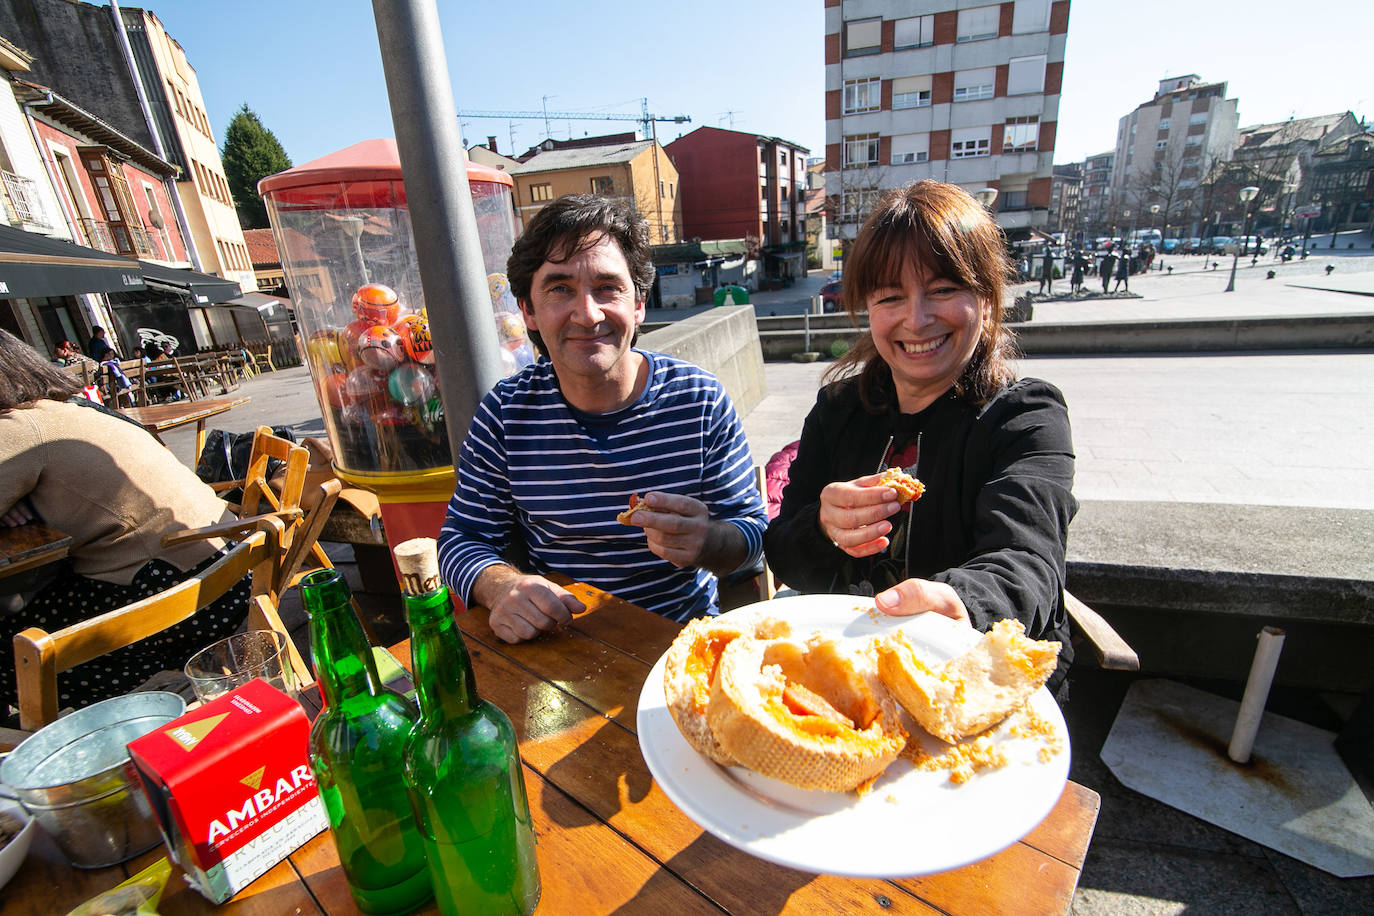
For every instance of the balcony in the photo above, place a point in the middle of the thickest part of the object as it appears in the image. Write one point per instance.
(23, 207)
(122, 239)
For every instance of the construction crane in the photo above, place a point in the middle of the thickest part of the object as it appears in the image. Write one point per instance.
(645, 119)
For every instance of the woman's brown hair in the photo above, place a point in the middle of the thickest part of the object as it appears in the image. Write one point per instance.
(947, 234)
(25, 376)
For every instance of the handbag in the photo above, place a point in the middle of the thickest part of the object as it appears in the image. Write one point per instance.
(225, 457)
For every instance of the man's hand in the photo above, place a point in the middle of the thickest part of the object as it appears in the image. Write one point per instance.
(854, 515)
(523, 606)
(680, 530)
(921, 596)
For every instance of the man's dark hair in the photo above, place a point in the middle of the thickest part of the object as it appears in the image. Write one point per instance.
(29, 377)
(572, 224)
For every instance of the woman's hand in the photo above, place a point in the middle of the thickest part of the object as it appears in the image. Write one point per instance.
(921, 596)
(854, 515)
(16, 515)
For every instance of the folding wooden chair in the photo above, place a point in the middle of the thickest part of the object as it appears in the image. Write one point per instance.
(39, 656)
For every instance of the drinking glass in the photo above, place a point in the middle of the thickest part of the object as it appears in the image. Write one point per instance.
(236, 660)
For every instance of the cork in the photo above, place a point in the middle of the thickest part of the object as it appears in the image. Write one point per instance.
(418, 561)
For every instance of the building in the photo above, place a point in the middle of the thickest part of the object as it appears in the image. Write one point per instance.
(1279, 159)
(262, 254)
(487, 154)
(965, 92)
(737, 185)
(1065, 191)
(1166, 148)
(1342, 181)
(638, 172)
(137, 80)
(1094, 199)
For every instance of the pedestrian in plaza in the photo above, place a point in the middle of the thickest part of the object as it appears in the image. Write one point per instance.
(1105, 270)
(102, 479)
(1076, 284)
(555, 450)
(1123, 272)
(1047, 272)
(931, 388)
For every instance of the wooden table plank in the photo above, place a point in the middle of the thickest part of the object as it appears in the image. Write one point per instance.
(158, 418)
(26, 546)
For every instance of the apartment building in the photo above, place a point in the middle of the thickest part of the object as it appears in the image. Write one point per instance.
(738, 185)
(1065, 192)
(638, 172)
(1094, 200)
(958, 90)
(1165, 149)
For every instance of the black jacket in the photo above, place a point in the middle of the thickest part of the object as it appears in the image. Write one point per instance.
(993, 522)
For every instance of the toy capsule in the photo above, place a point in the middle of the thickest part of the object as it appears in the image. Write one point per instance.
(380, 347)
(376, 303)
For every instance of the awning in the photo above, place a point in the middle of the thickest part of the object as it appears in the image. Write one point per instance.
(203, 288)
(268, 305)
(33, 266)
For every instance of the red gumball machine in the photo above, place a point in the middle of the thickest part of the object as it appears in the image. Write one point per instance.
(343, 231)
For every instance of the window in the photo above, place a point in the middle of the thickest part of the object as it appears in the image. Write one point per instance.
(782, 157)
(910, 148)
(969, 142)
(915, 32)
(978, 23)
(1161, 144)
(860, 150)
(1021, 135)
(1030, 16)
(1193, 140)
(1164, 123)
(863, 36)
(855, 203)
(1198, 118)
(603, 185)
(974, 84)
(862, 95)
(1026, 74)
(1012, 200)
(910, 92)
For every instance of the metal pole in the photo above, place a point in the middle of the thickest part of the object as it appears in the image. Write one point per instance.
(1244, 228)
(467, 357)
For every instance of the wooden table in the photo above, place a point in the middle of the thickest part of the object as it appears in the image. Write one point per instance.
(609, 839)
(157, 418)
(26, 546)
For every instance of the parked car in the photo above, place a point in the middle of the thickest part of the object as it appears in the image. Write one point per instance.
(1251, 244)
(1169, 246)
(832, 296)
(1216, 244)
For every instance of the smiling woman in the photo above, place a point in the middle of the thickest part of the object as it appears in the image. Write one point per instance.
(930, 389)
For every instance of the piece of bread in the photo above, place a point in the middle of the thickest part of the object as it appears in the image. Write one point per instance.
(810, 714)
(908, 488)
(690, 669)
(971, 692)
(637, 502)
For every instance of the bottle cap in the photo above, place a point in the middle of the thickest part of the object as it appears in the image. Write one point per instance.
(418, 561)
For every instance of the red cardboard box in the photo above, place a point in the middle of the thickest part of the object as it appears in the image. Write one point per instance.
(231, 786)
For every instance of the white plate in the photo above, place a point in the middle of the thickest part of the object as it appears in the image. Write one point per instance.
(912, 822)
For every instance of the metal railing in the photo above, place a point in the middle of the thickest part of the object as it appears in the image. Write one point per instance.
(100, 235)
(22, 203)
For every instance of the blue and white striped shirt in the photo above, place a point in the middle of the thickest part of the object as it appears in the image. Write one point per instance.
(562, 476)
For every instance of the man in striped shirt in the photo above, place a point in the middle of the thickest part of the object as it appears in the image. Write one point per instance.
(555, 451)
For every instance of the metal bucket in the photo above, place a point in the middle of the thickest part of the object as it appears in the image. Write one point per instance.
(76, 779)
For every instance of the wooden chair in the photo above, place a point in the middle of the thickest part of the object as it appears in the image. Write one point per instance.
(39, 656)
(262, 359)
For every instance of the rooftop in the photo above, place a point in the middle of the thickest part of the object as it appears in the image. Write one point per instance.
(553, 160)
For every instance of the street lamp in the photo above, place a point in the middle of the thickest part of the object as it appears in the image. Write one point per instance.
(1246, 195)
(986, 197)
(1125, 215)
(1307, 223)
(353, 228)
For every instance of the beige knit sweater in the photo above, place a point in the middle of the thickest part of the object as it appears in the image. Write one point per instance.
(108, 484)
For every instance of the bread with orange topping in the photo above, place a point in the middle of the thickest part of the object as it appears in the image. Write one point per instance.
(973, 691)
(810, 714)
(637, 502)
(908, 488)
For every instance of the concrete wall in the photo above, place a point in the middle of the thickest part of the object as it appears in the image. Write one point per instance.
(781, 337)
(725, 342)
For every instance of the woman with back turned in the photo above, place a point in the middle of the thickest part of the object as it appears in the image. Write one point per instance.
(930, 388)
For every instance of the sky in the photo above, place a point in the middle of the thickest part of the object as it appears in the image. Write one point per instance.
(312, 70)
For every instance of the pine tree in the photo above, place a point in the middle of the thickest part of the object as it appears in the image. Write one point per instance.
(251, 152)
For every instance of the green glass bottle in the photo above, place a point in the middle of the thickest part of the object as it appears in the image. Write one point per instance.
(462, 765)
(357, 751)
